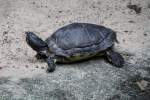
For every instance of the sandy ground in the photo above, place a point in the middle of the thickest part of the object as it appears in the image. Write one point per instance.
(22, 77)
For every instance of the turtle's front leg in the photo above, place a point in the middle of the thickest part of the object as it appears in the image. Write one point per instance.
(51, 64)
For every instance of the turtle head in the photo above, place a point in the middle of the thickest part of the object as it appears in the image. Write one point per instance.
(35, 42)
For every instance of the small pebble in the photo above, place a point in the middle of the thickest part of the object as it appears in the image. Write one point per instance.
(145, 34)
(126, 31)
(148, 6)
(26, 66)
(33, 3)
(143, 42)
(131, 21)
(134, 7)
(123, 40)
(60, 11)
(49, 16)
(142, 85)
(37, 67)
(5, 32)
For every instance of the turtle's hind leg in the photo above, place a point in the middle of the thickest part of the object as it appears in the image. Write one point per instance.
(36, 44)
(115, 58)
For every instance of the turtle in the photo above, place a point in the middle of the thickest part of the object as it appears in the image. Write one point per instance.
(76, 42)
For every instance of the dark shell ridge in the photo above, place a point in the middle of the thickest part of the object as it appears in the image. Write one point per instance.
(81, 37)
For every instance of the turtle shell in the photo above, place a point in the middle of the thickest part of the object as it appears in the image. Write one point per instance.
(81, 38)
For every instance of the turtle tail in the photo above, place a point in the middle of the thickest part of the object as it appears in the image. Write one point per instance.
(116, 40)
(115, 37)
(35, 42)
